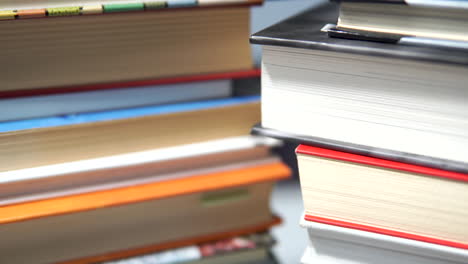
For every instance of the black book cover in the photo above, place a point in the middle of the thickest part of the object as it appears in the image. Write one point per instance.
(401, 2)
(428, 3)
(346, 33)
(363, 35)
(303, 31)
(392, 155)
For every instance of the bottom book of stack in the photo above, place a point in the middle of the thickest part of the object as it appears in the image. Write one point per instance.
(331, 244)
(249, 249)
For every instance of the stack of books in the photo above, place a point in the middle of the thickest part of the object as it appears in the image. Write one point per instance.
(125, 134)
(383, 134)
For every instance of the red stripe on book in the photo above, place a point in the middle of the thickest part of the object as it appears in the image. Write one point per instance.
(117, 85)
(385, 231)
(332, 154)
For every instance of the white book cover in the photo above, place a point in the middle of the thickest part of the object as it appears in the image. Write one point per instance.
(337, 245)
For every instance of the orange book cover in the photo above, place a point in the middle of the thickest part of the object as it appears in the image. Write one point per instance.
(140, 193)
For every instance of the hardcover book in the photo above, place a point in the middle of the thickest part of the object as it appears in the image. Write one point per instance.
(248, 249)
(100, 6)
(110, 96)
(385, 197)
(414, 18)
(250, 73)
(90, 175)
(334, 244)
(110, 99)
(405, 99)
(45, 141)
(130, 42)
(363, 150)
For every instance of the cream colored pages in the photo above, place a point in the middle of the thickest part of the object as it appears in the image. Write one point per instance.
(411, 203)
(83, 50)
(37, 147)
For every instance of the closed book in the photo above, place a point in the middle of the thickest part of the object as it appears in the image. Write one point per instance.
(408, 99)
(69, 48)
(116, 5)
(112, 85)
(248, 249)
(110, 99)
(415, 18)
(44, 141)
(128, 169)
(387, 154)
(86, 228)
(335, 244)
(385, 197)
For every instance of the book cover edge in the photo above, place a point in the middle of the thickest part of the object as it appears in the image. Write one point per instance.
(384, 231)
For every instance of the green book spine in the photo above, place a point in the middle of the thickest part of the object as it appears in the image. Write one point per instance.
(64, 11)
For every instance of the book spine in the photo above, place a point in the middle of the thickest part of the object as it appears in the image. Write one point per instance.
(441, 4)
(31, 13)
(117, 8)
(124, 7)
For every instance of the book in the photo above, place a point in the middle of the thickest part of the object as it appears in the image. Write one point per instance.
(295, 140)
(333, 31)
(110, 99)
(335, 244)
(137, 218)
(382, 196)
(425, 19)
(252, 248)
(322, 87)
(247, 74)
(123, 47)
(45, 141)
(254, 256)
(83, 176)
(110, 6)
(250, 73)
(79, 99)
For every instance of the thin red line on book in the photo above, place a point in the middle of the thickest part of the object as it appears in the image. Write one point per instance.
(383, 231)
(338, 155)
(126, 84)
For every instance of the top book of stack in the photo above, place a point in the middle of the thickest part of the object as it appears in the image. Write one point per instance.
(60, 44)
(390, 19)
(396, 102)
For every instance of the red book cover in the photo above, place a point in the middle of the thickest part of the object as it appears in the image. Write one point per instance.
(125, 84)
(348, 157)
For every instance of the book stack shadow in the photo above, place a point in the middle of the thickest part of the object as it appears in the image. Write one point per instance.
(124, 134)
(378, 105)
